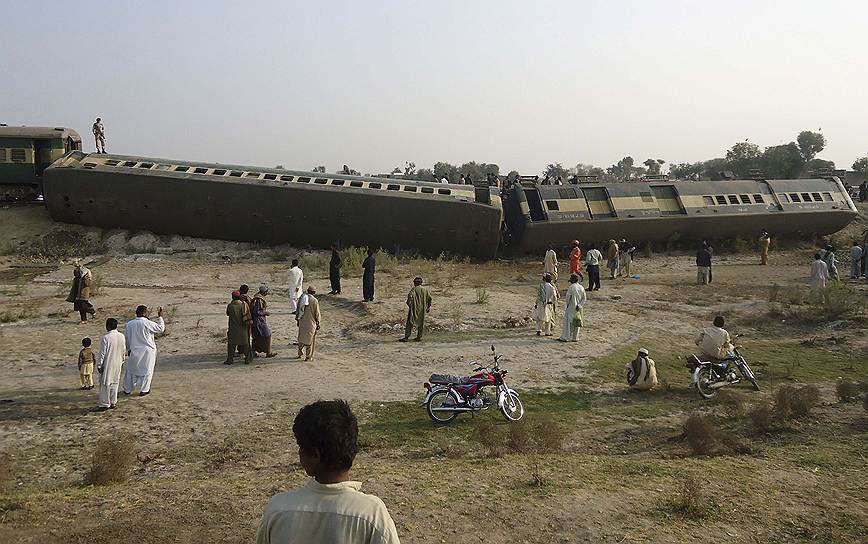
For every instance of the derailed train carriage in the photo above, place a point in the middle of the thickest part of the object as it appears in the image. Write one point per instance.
(541, 215)
(316, 210)
(25, 153)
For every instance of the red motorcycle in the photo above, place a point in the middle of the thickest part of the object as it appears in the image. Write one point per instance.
(448, 395)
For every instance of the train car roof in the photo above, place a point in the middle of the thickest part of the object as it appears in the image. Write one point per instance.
(694, 187)
(39, 133)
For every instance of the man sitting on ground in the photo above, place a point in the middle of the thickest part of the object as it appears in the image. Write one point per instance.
(714, 342)
(641, 372)
(330, 508)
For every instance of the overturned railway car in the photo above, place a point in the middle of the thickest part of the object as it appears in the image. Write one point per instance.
(25, 153)
(246, 203)
(540, 216)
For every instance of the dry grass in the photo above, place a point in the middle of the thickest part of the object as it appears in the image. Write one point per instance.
(113, 460)
(795, 402)
(482, 295)
(731, 402)
(847, 390)
(701, 434)
(13, 315)
(762, 417)
(6, 474)
(689, 500)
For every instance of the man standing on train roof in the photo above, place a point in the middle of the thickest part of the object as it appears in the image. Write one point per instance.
(418, 304)
(764, 241)
(99, 135)
(296, 281)
(369, 265)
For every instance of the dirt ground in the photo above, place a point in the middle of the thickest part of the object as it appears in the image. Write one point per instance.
(213, 443)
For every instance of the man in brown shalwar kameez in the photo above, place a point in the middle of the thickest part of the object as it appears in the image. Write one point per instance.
(261, 331)
(308, 326)
(239, 327)
(79, 293)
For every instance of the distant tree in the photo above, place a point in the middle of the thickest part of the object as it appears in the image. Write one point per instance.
(624, 169)
(810, 144)
(742, 157)
(279, 167)
(444, 169)
(819, 165)
(554, 170)
(685, 170)
(861, 165)
(782, 161)
(512, 176)
(712, 167)
(654, 166)
(424, 174)
(478, 170)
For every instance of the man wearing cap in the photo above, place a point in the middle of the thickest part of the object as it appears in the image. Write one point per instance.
(641, 372)
(99, 135)
(239, 325)
(418, 304)
(308, 326)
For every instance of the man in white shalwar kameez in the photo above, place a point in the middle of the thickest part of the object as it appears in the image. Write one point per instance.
(112, 352)
(296, 281)
(544, 308)
(574, 300)
(142, 349)
(550, 265)
(819, 277)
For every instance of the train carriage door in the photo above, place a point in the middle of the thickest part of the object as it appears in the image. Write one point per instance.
(599, 203)
(667, 200)
(534, 203)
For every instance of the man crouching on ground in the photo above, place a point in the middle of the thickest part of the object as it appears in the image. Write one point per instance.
(330, 508)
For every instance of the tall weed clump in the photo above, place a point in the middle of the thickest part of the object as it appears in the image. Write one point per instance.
(113, 460)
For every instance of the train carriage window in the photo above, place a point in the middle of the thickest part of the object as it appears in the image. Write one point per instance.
(219, 172)
(733, 199)
(163, 167)
(444, 191)
(784, 197)
(375, 186)
(827, 197)
(429, 190)
(806, 197)
(18, 155)
(393, 187)
(112, 162)
(338, 182)
(147, 165)
(552, 205)
(270, 176)
(707, 200)
(320, 180)
(181, 168)
(129, 163)
(566, 192)
(745, 199)
(410, 188)
(720, 199)
(356, 184)
(289, 178)
(2, 154)
(817, 197)
(200, 171)
(236, 174)
(252, 174)
(759, 199)
(795, 197)
(647, 197)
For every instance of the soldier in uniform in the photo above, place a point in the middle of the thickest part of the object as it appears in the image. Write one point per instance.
(99, 135)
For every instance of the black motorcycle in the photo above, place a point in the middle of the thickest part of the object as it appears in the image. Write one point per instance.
(710, 376)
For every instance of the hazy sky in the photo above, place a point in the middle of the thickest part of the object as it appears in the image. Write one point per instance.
(372, 84)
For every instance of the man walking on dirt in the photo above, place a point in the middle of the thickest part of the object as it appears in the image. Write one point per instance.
(99, 135)
(418, 304)
(703, 265)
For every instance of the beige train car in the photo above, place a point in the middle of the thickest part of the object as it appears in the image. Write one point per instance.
(542, 216)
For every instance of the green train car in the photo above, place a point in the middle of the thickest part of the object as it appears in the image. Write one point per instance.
(25, 153)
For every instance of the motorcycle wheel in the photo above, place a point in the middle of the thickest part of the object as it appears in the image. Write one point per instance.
(748, 374)
(512, 408)
(437, 400)
(703, 381)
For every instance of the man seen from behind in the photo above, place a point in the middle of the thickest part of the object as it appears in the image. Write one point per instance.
(330, 508)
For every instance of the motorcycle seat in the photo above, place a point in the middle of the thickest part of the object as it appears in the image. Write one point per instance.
(448, 379)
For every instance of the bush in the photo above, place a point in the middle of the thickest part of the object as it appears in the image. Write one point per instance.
(795, 402)
(761, 416)
(701, 434)
(482, 295)
(520, 439)
(846, 390)
(548, 436)
(731, 402)
(689, 500)
(112, 460)
(492, 441)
